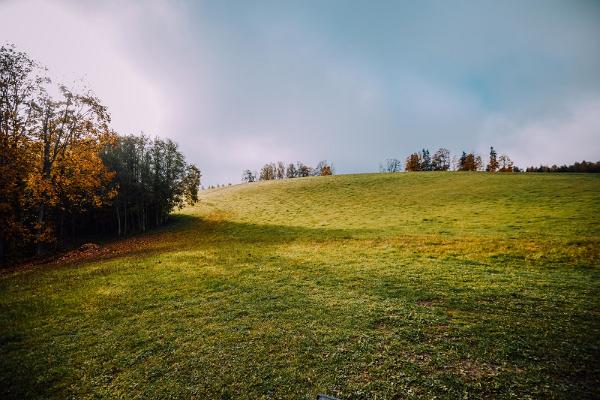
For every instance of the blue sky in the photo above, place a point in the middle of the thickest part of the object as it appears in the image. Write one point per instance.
(241, 83)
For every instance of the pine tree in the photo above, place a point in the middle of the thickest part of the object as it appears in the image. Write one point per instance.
(462, 162)
(425, 160)
(469, 162)
(493, 162)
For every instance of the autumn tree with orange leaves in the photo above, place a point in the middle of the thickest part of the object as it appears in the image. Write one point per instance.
(413, 162)
(68, 174)
(49, 153)
(55, 177)
(17, 90)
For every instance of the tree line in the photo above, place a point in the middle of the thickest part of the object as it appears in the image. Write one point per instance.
(279, 170)
(584, 166)
(152, 179)
(441, 160)
(65, 173)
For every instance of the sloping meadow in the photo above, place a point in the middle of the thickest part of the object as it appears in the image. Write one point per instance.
(412, 285)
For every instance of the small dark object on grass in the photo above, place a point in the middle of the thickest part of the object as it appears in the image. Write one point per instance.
(325, 397)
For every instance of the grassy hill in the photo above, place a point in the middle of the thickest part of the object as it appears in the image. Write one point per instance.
(361, 286)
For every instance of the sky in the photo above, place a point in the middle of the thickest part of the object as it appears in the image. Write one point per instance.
(240, 83)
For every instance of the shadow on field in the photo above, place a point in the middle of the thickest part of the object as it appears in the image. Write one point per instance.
(186, 232)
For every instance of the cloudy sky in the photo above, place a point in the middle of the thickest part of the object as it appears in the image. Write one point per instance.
(241, 83)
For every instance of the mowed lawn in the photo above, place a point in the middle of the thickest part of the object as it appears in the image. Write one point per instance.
(375, 286)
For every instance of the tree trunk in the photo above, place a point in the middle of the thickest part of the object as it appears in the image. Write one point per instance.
(46, 166)
(2, 256)
(39, 245)
(118, 221)
(62, 226)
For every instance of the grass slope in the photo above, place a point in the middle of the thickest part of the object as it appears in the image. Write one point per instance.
(362, 286)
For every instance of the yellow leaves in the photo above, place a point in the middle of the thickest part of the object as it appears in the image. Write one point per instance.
(112, 193)
(77, 176)
(50, 143)
(80, 175)
(77, 179)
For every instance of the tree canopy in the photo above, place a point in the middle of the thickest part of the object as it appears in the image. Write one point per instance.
(63, 169)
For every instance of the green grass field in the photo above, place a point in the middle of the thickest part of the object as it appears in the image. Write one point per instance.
(375, 286)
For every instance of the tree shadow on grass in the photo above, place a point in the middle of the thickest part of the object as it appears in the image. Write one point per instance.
(186, 232)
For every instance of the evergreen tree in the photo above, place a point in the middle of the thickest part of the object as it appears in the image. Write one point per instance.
(493, 162)
(470, 162)
(425, 160)
(462, 162)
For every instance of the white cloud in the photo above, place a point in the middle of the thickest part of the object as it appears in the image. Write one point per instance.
(74, 44)
(560, 138)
